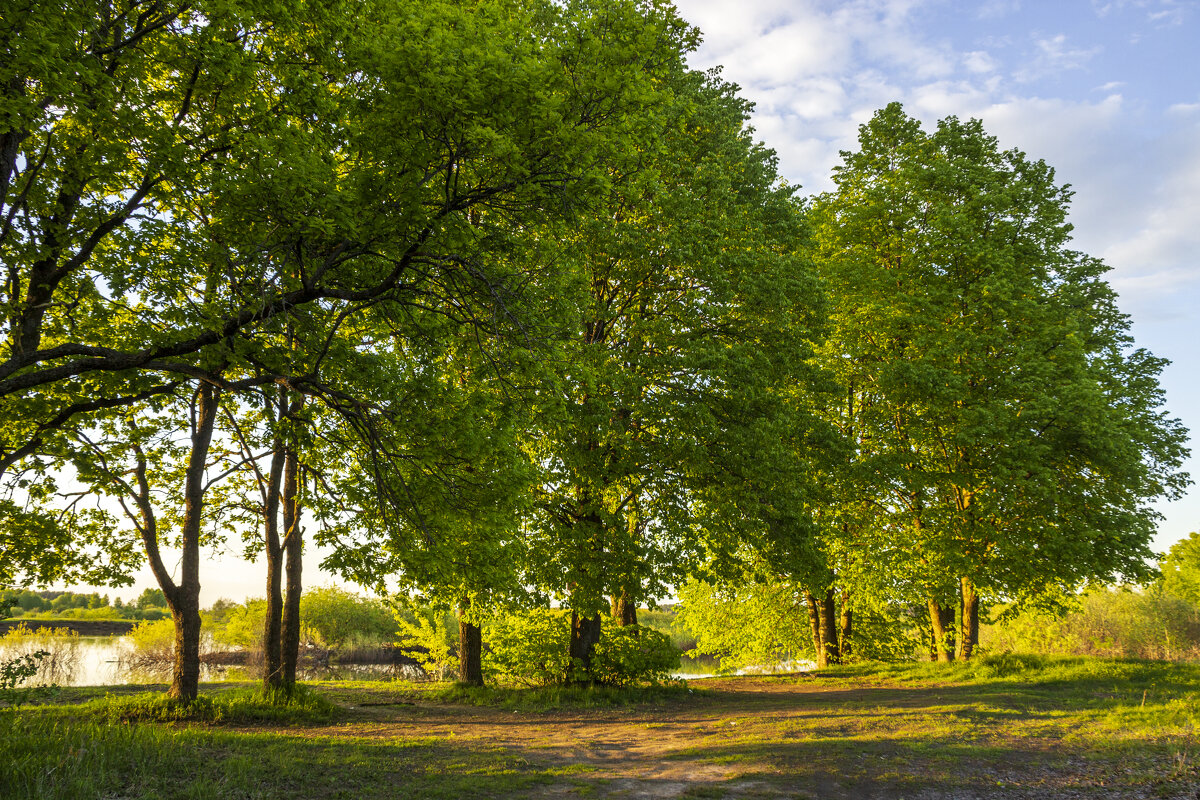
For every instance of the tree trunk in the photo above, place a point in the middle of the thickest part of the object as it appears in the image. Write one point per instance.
(272, 645)
(829, 631)
(624, 609)
(185, 675)
(185, 599)
(949, 627)
(968, 638)
(470, 652)
(585, 633)
(293, 547)
(941, 650)
(814, 621)
(847, 632)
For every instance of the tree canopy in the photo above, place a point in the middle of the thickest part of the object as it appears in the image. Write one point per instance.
(510, 304)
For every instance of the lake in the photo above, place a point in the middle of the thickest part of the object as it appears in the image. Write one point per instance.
(105, 661)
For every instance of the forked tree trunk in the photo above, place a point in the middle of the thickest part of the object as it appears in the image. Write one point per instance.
(585, 633)
(470, 652)
(968, 638)
(941, 648)
(624, 609)
(829, 630)
(814, 621)
(293, 546)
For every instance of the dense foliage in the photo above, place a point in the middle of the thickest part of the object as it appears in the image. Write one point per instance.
(503, 303)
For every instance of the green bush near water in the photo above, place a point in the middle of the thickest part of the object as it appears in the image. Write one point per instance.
(530, 648)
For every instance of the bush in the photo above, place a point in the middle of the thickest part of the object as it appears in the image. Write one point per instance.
(634, 655)
(1111, 622)
(154, 639)
(239, 625)
(13, 674)
(334, 618)
(530, 648)
(431, 636)
(330, 617)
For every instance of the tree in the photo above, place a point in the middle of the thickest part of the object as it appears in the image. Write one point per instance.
(182, 181)
(178, 177)
(151, 598)
(694, 322)
(1181, 569)
(159, 464)
(1016, 436)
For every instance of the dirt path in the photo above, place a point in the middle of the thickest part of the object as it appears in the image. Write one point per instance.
(802, 738)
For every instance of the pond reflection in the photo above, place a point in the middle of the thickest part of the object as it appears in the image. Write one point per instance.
(114, 661)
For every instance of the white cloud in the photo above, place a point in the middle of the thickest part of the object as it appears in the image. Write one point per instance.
(1162, 13)
(979, 61)
(816, 71)
(1161, 255)
(1183, 109)
(1051, 55)
(994, 9)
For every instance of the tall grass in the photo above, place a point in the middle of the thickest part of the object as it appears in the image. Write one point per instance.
(96, 749)
(1108, 622)
(61, 645)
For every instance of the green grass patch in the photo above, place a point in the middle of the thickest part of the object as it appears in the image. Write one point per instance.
(243, 704)
(548, 698)
(49, 757)
(863, 730)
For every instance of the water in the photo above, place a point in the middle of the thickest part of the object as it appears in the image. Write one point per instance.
(95, 661)
(106, 661)
(709, 667)
(99, 662)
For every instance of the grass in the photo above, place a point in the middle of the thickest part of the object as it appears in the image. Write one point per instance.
(1003, 726)
(49, 758)
(549, 698)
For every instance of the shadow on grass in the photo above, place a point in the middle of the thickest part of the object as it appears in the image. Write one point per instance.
(49, 757)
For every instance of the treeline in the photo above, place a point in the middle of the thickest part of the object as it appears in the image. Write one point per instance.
(1159, 621)
(504, 304)
(764, 624)
(149, 605)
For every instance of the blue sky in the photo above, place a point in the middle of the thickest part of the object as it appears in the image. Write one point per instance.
(1107, 93)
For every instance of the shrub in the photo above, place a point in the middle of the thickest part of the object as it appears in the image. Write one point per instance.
(333, 618)
(427, 633)
(1112, 622)
(634, 655)
(13, 674)
(530, 647)
(240, 625)
(154, 638)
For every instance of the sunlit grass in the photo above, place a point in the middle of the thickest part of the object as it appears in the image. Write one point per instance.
(884, 730)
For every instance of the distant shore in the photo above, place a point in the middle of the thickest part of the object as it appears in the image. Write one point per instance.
(84, 627)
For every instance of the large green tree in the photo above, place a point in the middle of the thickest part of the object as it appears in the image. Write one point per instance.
(181, 180)
(1016, 436)
(694, 323)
